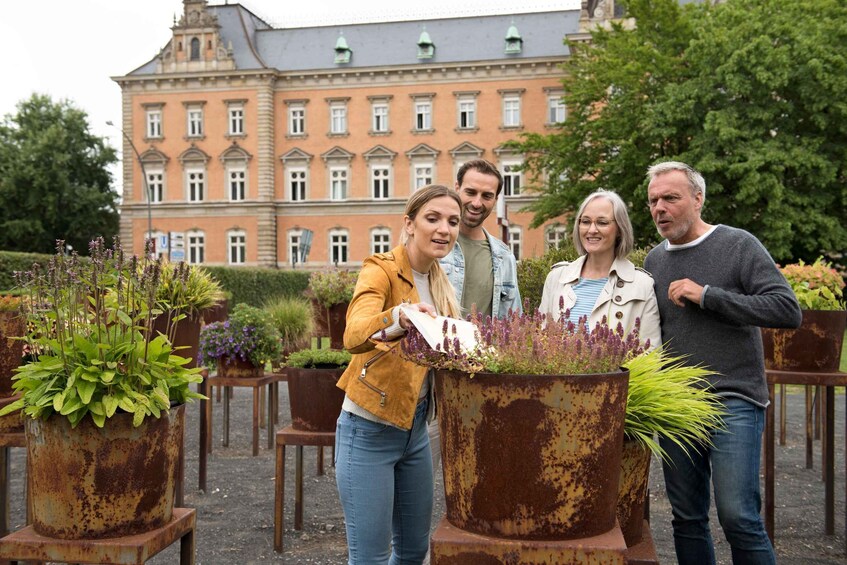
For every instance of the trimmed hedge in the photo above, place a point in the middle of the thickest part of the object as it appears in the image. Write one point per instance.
(254, 286)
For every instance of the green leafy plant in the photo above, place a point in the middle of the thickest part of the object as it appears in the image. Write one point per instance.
(187, 289)
(817, 286)
(332, 287)
(319, 359)
(91, 343)
(248, 334)
(293, 318)
(669, 398)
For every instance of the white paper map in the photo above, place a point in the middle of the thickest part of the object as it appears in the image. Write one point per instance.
(432, 329)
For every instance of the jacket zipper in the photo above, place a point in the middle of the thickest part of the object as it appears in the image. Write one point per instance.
(382, 394)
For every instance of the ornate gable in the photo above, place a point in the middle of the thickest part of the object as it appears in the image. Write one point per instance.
(196, 44)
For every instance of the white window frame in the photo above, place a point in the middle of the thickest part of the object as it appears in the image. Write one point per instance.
(380, 240)
(294, 237)
(195, 247)
(235, 122)
(236, 183)
(339, 183)
(516, 241)
(467, 113)
(339, 246)
(302, 178)
(194, 121)
(423, 114)
(379, 117)
(154, 123)
(155, 183)
(380, 182)
(511, 111)
(556, 110)
(513, 181)
(297, 119)
(338, 118)
(236, 247)
(423, 174)
(555, 236)
(195, 188)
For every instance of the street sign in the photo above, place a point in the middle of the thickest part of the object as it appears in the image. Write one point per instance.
(177, 255)
(162, 242)
(177, 240)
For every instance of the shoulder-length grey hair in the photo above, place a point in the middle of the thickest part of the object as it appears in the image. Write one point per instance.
(625, 239)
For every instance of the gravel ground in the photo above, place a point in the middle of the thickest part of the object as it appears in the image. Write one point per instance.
(235, 515)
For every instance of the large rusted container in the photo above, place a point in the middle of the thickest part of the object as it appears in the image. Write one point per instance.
(533, 457)
(632, 494)
(237, 368)
(91, 483)
(337, 324)
(12, 325)
(315, 400)
(186, 340)
(813, 347)
(11, 423)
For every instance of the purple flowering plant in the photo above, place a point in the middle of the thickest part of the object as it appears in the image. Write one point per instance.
(531, 344)
(248, 334)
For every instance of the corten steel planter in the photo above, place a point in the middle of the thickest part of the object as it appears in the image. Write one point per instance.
(532, 457)
(187, 337)
(217, 313)
(11, 423)
(632, 494)
(236, 368)
(813, 347)
(12, 325)
(321, 318)
(315, 400)
(337, 324)
(92, 483)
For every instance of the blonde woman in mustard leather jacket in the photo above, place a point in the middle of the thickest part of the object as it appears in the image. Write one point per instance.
(603, 283)
(383, 460)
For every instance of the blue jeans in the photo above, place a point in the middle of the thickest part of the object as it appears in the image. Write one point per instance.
(732, 463)
(384, 477)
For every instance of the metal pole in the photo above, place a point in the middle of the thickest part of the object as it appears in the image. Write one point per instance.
(144, 180)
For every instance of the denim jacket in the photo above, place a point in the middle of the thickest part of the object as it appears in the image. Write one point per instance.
(506, 294)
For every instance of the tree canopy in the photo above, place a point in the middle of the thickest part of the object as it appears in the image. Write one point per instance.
(752, 93)
(54, 181)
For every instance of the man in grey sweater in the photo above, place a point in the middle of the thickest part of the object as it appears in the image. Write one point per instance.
(716, 285)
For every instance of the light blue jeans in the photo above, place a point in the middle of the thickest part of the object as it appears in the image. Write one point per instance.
(384, 477)
(732, 463)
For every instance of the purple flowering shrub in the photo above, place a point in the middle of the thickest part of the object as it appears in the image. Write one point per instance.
(529, 344)
(248, 334)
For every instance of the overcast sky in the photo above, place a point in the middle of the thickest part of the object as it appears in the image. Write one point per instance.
(71, 48)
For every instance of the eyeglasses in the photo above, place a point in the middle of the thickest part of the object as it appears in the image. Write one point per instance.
(601, 223)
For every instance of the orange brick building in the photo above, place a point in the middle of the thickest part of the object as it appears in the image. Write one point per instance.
(258, 142)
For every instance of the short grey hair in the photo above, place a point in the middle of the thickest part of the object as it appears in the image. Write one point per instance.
(696, 182)
(625, 240)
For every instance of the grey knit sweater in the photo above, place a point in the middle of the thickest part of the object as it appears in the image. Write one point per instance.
(745, 291)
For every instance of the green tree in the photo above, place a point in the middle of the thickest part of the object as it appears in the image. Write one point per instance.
(54, 181)
(751, 92)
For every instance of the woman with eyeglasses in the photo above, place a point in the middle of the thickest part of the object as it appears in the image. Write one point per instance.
(603, 284)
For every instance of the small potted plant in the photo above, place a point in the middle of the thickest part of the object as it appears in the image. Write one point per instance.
(242, 345)
(293, 318)
(99, 377)
(331, 292)
(315, 400)
(12, 328)
(816, 345)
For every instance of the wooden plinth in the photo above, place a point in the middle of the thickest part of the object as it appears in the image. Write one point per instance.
(26, 545)
(452, 546)
(644, 553)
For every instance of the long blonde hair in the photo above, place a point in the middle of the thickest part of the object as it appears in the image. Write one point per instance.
(443, 293)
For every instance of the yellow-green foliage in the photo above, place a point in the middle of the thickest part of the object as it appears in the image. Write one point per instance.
(293, 318)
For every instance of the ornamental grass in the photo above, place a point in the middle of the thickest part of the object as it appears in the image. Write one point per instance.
(669, 398)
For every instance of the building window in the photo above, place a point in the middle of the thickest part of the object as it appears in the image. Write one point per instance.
(297, 119)
(237, 246)
(511, 111)
(195, 49)
(555, 109)
(195, 121)
(154, 123)
(380, 240)
(195, 184)
(338, 118)
(297, 184)
(237, 184)
(379, 123)
(512, 178)
(338, 247)
(422, 175)
(196, 247)
(155, 184)
(423, 115)
(236, 119)
(515, 241)
(556, 236)
(467, 114)
(338, 184)
(380, 182)
(294, 237)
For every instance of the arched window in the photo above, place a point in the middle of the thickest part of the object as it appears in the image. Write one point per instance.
(195, 49)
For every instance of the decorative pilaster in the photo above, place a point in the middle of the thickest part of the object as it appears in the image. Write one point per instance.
(127, 162)
(266, 220)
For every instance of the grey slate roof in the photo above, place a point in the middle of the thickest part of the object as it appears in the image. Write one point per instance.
(257, 45)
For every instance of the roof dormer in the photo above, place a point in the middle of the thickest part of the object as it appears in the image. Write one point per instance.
(514, 42)
(342, 51)
(196, 44)
(426, 48)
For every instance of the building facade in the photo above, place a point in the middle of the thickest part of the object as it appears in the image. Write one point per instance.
(273, 147)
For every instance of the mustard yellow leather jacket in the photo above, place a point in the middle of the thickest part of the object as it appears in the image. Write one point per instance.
(378, 379)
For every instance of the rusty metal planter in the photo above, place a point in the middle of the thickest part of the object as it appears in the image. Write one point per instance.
(236, 368)
(91, 483)
(11, 423)
(315, 400)
(337, 325)
(186, 338)
(12, 325)
(533, 457)
(632, 494)
(813, 347)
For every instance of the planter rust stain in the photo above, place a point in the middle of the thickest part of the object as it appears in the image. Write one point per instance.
(314, 398)
(813, 347)
(632, 494)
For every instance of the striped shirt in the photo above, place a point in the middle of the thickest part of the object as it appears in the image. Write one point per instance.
(587, 291)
